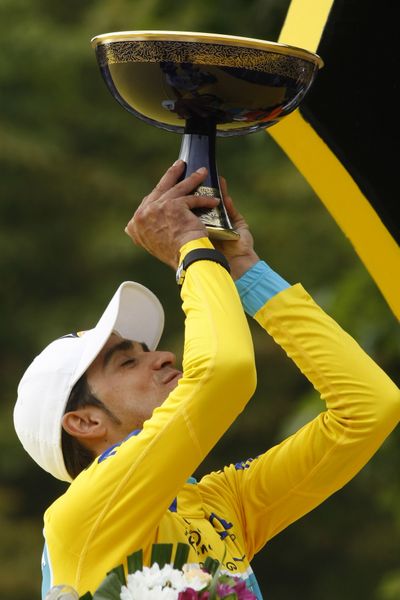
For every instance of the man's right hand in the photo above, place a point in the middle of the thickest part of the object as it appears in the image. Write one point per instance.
(164, 221)
(240, 253)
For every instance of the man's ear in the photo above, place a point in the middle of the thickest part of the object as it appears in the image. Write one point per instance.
(86, 423)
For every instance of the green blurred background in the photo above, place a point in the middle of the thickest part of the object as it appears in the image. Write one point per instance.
(74, 165)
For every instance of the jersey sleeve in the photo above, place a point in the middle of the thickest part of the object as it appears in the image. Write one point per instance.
(362, 407)
(114, 507)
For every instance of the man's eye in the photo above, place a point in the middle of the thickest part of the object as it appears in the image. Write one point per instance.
(128, 362)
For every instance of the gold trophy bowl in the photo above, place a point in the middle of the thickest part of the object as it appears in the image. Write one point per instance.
(203, 85)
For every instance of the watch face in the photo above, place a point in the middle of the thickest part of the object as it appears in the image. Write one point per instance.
(180, 274)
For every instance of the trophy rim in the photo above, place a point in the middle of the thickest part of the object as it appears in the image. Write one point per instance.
(211, 38)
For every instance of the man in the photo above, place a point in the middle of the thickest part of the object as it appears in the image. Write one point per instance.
(113, 414)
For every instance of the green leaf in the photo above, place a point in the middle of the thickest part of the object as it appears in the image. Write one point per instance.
(181, 555)
(212, 589)
(161, 554)
(135, 561)
(109, 589)
(87, 596)
(211, 565)
(120, 573)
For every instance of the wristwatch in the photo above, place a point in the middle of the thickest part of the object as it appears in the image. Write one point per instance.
(200, 254)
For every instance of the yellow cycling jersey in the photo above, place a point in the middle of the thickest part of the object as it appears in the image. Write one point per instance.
(140, 491)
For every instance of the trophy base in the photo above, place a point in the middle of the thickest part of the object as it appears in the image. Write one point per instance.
(220, 233)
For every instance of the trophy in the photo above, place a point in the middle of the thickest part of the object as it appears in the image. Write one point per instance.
(204, 85)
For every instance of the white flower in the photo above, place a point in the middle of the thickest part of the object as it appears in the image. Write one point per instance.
(153, 583)
(195, 578)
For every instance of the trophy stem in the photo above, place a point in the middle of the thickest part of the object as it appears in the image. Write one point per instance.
(198, 150)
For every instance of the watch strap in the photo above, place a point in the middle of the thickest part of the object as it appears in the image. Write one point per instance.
(200, 254)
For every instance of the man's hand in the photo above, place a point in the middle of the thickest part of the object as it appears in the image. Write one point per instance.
(164, 221)
(240, 253)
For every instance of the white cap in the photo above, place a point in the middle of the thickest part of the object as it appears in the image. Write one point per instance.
(134, 313)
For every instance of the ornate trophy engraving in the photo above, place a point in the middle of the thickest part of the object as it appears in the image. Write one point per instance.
(202, 86)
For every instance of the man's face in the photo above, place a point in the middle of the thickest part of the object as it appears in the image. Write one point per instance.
(131, 381)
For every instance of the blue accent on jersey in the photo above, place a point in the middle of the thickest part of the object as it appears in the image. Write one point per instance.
(225, 524)
(134, 432)
(258, 285)
(112, 449)
(109, 452)
(244, 464)
(46, 575)
(174, 505)
(252, 584)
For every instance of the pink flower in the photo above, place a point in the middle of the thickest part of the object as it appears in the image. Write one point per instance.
(224, 589)
(188, 594)
(191, 594)
(243, 592)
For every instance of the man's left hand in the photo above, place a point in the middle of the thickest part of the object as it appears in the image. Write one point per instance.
(164, 221)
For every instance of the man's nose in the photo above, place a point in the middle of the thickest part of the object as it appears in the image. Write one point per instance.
(162, 358)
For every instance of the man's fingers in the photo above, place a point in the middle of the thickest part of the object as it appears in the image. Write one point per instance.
(200, 201)
(224, 186)
(170, 177)
(175, 203)
(225, 194)
(228, 202)
(168, 183)
(193, 201)
(189, 184)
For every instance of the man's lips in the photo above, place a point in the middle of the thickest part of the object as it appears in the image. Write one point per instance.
(172, 376)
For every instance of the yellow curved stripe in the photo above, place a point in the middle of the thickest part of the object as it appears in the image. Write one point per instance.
(349, 207)
(305, 22)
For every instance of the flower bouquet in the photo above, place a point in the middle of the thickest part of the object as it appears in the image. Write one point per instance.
(163, 580)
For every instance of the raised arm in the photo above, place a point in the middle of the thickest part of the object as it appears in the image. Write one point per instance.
(109, 503)
(362, 406)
